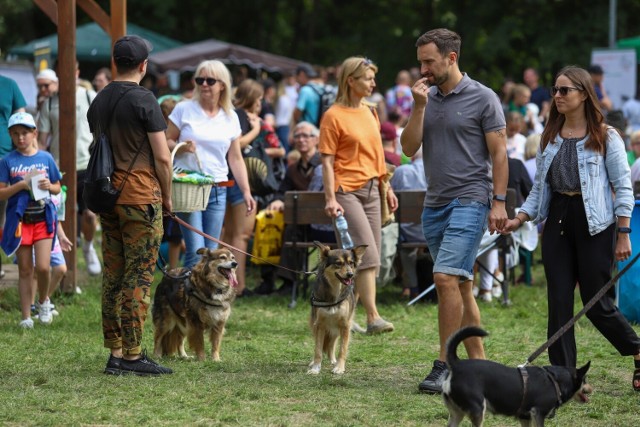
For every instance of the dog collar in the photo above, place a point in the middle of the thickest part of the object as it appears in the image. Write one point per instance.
(557, 387)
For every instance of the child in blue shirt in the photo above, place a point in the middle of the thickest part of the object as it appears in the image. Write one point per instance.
(30, 221)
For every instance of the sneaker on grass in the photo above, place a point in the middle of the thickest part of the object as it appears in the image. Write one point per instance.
(433, 382)
(44, 312)
(143, 367)
(26, 324)
(113, 365)
(91, 258)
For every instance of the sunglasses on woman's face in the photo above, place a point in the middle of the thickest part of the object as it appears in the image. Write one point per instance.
(564, 90)
(210, 81)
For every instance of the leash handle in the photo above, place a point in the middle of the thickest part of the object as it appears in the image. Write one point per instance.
(233, 248)
(586, 308)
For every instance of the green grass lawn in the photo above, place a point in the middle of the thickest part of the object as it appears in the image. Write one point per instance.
(52, 375)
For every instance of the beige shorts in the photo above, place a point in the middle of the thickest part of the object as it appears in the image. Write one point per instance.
(362, 212)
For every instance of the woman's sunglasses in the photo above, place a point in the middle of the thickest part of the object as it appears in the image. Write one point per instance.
(564, 90)
(210, 81)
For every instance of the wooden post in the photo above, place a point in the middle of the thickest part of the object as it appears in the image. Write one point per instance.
(67, 93)
(64, 16)
(118, 25)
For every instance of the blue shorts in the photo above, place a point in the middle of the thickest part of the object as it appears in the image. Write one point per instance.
(453, 233)
(57, 259)
(234, 195)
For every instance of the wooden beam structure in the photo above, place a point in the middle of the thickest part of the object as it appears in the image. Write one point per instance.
(63, 14)
(66, 70)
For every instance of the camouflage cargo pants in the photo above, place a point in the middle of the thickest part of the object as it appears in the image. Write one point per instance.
(131, 237)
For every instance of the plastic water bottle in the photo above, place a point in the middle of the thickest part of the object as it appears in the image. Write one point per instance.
(343, 230)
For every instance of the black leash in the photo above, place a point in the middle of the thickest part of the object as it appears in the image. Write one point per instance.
(233, 248)
(586, 308)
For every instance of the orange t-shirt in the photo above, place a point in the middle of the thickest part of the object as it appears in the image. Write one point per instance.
(352, 135)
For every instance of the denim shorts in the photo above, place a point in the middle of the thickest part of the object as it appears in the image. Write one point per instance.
(453, 233)
(234, 195)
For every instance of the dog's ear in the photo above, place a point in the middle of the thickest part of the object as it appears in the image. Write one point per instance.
(201, 251)
(583, 370)
(324, 249)
(358, 253)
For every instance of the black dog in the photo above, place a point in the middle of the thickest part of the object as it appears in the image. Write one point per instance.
(530, 394)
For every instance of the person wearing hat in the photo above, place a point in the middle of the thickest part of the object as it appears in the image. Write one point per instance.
(129, 115)
(389, 135)
(597, 75)
(47, 82)
(28, 177)
(309, 98)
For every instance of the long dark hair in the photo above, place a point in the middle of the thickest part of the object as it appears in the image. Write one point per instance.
(596, 128)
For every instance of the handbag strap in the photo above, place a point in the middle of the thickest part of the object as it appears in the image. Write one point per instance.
(124, 181)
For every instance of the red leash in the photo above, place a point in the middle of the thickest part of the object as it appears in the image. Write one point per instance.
(228, 246)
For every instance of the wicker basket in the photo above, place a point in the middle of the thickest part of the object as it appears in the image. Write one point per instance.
(187, 197)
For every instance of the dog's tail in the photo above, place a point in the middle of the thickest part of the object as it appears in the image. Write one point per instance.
(459, 336)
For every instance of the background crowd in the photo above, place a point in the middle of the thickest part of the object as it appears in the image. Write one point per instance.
(332, 125)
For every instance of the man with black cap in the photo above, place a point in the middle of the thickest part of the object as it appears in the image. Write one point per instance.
(597, 75)
(130, 116)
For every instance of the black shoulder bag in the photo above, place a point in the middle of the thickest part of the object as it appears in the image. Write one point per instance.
(99, 193)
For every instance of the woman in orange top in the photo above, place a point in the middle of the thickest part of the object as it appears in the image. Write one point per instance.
(352, 166)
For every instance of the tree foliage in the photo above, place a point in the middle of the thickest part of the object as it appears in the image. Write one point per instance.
(500, 37)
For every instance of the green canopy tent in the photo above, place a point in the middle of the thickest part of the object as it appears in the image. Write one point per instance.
(630, 43)
(92, 43)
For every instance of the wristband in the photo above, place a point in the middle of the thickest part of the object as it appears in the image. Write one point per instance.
(624, 230)
(500, 197)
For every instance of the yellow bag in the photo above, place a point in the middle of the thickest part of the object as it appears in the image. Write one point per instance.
(267, 237)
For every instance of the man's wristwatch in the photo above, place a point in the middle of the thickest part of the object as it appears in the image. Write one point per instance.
(624, 230)
(500, 197)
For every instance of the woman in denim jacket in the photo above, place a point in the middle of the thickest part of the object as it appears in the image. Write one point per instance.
(583, 189)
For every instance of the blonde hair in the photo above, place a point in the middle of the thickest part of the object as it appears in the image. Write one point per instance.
(220, 72)
(531, 146)
(355, 66)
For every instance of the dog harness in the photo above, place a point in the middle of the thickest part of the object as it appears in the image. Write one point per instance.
(348, 292)
(525, 378)
(190, 290)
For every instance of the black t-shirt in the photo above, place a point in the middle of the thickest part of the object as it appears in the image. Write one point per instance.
(243, 117)
(136, 114)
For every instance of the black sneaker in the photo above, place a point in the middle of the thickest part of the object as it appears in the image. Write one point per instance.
(143, 367)
(433, 382)
(113, 365)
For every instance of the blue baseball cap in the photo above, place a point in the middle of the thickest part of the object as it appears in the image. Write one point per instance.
(24, 119)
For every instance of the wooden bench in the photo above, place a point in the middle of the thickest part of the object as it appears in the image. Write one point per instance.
(303, 208)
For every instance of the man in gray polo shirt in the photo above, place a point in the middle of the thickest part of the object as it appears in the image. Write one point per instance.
(463, 138)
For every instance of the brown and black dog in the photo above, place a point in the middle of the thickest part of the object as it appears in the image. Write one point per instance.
(186, 304)
(333, 304)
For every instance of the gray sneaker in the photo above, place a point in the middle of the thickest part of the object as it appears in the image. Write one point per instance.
(379, 326)
(433, 382)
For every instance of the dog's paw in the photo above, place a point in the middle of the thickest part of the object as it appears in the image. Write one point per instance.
(338, 370)
(313, 369)
(333, 361)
